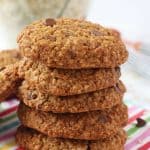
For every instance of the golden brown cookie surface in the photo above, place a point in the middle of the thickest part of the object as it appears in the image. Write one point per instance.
(99, 100)
(72, 44)
(33, 140)
(88, 126)
(60, 82)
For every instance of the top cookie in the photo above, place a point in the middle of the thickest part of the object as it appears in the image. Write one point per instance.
(72, 44)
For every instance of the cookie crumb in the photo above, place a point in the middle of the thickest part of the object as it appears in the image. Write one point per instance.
(72, 54)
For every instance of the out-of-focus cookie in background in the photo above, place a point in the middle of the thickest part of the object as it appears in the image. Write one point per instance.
(9, 56)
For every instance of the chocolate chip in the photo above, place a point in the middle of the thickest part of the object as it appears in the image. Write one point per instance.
(50, 22)
(96, 33)
(140, 122)
(103, 118)
(72, 54)
(32, 95)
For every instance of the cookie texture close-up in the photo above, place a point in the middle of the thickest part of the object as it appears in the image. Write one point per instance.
(9, 78)
(9, 81)
(8, 57)
(92, 125)
(61, 82)
(99, 100)
(72, 44)
(33, 140)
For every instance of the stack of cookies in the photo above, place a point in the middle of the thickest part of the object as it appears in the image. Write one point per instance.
(71, 95)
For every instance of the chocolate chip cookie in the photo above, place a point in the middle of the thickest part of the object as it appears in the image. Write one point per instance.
(99, 100)
(60, 82)
(33, 140)
(92, 125)
(72, 44)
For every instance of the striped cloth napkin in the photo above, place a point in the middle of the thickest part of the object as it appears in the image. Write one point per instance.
(8, 124)
(138, 138)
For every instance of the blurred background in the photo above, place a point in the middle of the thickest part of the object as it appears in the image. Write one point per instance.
(130, 18)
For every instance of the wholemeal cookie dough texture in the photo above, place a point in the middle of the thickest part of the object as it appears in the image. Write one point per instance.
(9, 78)
(62, 82)
(33, 140)
(88, 126)
(99, 100)
(9, 81)
(8, 57)
(72, 44)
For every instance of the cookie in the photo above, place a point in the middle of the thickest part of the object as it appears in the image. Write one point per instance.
(33, 140)
(72, 44)
(92, 125)
(99, 100)
(9, 81)
(115, 32)
(115, 142)
(8, 57)
(62, 82)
